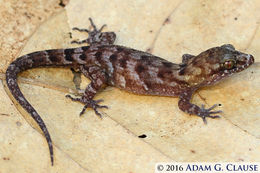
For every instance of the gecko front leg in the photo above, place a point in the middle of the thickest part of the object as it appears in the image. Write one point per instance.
(186, 106)
(98, 80)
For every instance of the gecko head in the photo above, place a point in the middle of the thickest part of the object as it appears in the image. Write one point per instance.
(219, 62)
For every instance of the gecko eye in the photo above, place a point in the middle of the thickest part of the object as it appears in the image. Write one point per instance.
(229, 64)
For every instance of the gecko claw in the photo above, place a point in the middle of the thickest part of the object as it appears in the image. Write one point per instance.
(95, 35)
(94, 26)
(89, 31)
(206, 113)
(72, 98)
(80, 30)
(89, 104)
(94, 105)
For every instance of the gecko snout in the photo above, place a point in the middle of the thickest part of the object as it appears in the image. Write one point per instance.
(244, 61)
(251, 59)
(248, 59)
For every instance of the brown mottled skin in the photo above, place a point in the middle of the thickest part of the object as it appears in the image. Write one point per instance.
(135, 71)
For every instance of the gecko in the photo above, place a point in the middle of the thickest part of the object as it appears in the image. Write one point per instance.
(138, 72)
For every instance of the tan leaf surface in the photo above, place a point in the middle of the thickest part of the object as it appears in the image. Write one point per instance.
(168, 29)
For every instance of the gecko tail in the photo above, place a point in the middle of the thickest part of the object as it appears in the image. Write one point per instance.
(11, 79)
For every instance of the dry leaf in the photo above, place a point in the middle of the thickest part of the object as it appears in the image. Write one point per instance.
(167, 29)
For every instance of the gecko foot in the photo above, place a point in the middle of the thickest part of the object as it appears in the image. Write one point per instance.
(96, 36)
(94, 104)
(206, 113)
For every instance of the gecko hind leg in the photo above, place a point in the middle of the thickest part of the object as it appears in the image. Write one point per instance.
(98, 80)
(96, 36)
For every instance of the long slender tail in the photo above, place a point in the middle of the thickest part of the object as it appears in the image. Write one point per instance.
(54, 57)
(11, 80)
(25, 62)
